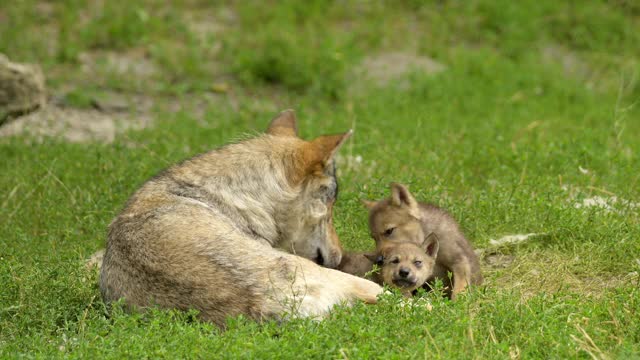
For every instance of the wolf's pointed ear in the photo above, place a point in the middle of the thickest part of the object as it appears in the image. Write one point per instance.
(318, 152)
(313, 156)
(284, 124)
(326, 146)
(400, 196)
(368, 203)
(431, 245)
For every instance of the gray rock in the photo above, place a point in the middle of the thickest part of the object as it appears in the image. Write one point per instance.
(22, 89)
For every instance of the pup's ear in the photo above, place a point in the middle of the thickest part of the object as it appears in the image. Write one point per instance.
(431, 245)
(284, 124)
(368, 203)
(374, 258)
(400, 196)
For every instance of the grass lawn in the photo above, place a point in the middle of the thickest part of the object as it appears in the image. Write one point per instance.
(518, 117)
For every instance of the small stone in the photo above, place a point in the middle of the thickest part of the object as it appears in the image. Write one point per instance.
(95, 261)
(499, 260)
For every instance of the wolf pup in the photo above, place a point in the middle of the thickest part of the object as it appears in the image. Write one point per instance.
(241, 230)
(401, 218)
(406, 265)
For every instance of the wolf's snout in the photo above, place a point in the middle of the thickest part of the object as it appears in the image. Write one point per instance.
(331, 260)
(404, 273)
(335, 258)
(319, 258)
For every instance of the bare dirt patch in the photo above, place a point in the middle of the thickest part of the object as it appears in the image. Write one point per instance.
(394, 68)
(206, 25)
(579, 67)
(571, 64)
(134, 62)
(101, 114)
(75, 125)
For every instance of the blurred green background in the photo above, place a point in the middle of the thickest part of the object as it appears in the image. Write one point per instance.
(518, 117)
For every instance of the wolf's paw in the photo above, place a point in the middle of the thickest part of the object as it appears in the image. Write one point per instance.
(367, 291)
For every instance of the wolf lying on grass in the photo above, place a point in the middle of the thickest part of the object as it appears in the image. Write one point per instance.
(230, 232)
(401, 218)
(406, 266)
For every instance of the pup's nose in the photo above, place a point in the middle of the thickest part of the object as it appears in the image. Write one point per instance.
(404, 272)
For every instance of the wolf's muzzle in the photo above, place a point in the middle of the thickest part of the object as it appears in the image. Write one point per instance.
(319, 259)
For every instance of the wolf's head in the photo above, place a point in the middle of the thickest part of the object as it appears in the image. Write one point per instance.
(407, 265)
(305, 226)
(396, 218)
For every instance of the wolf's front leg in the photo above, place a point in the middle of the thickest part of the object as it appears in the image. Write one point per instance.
(334, 287)
(301, 288)
(461, 277)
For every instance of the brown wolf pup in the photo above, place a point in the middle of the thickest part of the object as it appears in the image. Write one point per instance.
(406, 266)
(401, 218)
(231, 231)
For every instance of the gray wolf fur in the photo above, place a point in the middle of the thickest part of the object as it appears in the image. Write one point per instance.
(401, 218)
(240, 230)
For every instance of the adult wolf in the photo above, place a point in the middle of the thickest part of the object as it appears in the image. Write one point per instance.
(231, 232)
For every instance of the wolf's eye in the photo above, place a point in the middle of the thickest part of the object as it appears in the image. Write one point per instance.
(417, 263)
(379, 260)
(389, 231)
(395, 261)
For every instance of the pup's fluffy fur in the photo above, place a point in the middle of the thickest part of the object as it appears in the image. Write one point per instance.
(401, 218)
(406, 266)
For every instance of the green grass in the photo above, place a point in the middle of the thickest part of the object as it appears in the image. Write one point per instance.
(498, 138)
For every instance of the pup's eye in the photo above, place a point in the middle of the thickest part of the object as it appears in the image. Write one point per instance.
(395, 261)
(389, 231)
(417, 263)
(379, 260)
